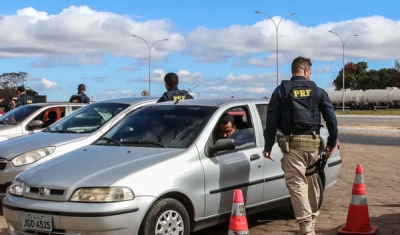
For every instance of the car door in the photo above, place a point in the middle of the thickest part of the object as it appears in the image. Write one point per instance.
(274, 183)
(241, 168)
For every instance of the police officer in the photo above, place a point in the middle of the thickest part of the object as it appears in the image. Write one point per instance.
(80, 97)
(295, 108)
(173, 93)
(23, 98)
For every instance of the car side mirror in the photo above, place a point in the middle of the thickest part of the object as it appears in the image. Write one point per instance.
(222, 145)
(35, 123)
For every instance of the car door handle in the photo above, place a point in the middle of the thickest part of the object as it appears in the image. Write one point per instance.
(254, 157)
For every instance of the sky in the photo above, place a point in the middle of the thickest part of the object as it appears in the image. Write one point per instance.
(218, 48)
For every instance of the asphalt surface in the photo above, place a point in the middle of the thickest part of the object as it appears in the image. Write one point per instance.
(363, 120)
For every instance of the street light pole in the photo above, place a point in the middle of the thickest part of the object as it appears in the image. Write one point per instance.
(150, 48)
(277, 45)
(343, 44)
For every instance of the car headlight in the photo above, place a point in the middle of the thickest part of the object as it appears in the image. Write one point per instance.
(112, 194)
(16, 187)
(32, 156)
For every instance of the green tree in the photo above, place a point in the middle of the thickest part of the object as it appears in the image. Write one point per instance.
(10, 81)
(353, 74)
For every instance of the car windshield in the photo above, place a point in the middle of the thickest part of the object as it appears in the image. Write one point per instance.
(88, 118)
(159, 126)
(18, 115)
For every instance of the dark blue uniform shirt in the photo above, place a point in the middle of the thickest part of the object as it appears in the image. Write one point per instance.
(275, 111)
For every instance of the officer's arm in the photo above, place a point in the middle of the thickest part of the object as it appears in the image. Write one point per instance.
(162, 98)
(189, 96)
(328, 113)
(87, 99)
(19, 102)
(273, 117)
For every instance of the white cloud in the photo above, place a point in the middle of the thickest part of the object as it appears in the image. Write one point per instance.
(127, 68)
(30, 32)
(376, 33)
(113, 93)
(43, 84)
(325, 69)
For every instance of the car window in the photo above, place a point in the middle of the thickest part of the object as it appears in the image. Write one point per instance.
(88, 118)
(49, 116)
(18, 115)
(262, 112)
(242, 133)
(74, 108)
(160, 126)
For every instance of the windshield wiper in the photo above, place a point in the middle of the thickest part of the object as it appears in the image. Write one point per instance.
(5, 123)
(62, 131)
(112, 141)
(146, 142)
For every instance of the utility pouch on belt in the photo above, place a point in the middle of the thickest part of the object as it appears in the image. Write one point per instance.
(283, 143)
(305, 143)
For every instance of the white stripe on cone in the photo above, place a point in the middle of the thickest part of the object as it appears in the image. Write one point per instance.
(358, 200)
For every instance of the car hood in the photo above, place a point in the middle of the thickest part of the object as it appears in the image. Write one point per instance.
(14, 147)
(94, 166)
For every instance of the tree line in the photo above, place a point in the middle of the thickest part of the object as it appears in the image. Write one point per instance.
(9, 82)
(358, 77)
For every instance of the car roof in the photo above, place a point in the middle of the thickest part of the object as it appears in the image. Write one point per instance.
(55, 103)
(128, 100)
(213, 101)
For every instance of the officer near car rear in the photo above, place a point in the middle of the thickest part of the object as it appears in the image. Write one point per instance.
(294, 109)
(80, 97)
(171, 81)
(23, 98)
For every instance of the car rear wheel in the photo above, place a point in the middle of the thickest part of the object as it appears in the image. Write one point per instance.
(166, 216)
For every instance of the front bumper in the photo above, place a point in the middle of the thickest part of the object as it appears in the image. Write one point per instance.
(72, 218)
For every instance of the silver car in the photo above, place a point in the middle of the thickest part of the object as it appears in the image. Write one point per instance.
(161, 170)
(76, 130)
(33, 118)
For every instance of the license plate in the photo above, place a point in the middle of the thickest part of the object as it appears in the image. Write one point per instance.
(37, 222)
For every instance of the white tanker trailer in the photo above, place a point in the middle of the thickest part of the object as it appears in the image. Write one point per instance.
(368, 99)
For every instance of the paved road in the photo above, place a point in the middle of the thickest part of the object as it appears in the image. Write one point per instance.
(379, 156)
(361, 120)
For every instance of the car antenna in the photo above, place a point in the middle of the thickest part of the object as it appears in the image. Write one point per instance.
(176, 102)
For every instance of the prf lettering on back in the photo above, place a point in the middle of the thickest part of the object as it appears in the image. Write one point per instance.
(179, 97)
(301, 93)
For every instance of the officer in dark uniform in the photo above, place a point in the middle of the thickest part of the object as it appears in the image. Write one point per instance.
(80, 97)
(173, 93)
(295, 108)
(23, 98)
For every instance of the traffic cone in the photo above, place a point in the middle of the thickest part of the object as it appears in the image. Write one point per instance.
(238, 222)
(358, 215)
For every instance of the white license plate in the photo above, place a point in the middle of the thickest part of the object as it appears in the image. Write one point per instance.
(37, 222)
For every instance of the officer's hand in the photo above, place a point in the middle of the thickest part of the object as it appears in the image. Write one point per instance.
(267, 155)
(330, 151)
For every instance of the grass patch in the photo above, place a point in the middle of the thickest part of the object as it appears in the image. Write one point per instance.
(369, 112)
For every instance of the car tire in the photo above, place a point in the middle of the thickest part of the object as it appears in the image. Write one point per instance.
(162, 210)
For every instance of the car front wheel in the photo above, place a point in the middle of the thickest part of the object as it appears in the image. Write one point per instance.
(166, 216)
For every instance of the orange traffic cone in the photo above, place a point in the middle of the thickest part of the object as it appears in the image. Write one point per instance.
(238, 222)
(358, 215)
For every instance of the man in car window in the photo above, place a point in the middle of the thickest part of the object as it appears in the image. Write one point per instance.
(225, 126)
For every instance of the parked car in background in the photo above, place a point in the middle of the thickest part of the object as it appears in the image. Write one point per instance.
(75, 130)
(161, 170)
(32, 118)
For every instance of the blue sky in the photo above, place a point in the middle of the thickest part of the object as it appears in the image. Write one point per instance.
(222, 46)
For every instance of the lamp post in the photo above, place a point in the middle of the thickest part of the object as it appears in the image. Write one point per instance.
(149, 54)
(343, 44)
(276, 28)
